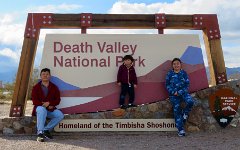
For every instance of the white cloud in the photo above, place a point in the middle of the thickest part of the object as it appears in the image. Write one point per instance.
(55, 8)
(135, 8)
(6, 19)
(226, 10)
(11, 34)
(10, 31)
(232, 55)
(228, 18)
(15, 55)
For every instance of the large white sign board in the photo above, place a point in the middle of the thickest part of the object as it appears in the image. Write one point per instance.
(84, 67)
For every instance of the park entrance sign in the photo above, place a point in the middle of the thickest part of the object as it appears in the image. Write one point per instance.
(207, 23)
(84, 67)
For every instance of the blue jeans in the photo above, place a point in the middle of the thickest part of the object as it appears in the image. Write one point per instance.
(42, 113)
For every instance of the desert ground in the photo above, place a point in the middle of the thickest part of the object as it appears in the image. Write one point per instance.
(223, 139)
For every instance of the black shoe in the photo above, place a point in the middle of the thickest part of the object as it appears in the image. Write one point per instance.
(47, 134)
(40, 137)
(123, 106)
(131, 105)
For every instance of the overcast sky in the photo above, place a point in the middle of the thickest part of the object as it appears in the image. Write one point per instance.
(13, 16)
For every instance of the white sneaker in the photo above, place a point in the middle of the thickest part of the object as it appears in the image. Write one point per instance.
(185, 118)
(181, 133)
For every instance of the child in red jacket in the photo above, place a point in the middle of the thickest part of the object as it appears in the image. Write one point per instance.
(127, 79)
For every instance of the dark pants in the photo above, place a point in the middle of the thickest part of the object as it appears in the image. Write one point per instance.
(126, 89)
(178, 111)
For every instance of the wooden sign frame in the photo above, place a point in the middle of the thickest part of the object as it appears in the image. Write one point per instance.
(208, 23)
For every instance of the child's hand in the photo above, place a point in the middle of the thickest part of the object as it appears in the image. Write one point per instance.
(45, 104)
(176, 94)
(135, 85)
(50, 107)
(119, 83)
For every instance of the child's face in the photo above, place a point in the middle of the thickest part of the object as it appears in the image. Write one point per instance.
(127, 62)
(176, 65)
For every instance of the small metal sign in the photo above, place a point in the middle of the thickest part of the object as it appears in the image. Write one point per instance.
(224, 105)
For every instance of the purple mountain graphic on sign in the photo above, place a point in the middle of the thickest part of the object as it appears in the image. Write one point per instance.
(192, 56)
(153, 82)
(63, 86)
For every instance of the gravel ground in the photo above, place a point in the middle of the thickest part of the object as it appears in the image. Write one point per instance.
(224, 139)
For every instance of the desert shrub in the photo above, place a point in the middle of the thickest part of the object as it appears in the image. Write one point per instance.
(2, 96)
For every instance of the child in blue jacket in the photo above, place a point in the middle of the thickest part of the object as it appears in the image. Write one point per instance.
(177, 84)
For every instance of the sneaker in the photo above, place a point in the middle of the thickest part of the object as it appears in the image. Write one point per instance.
(181, 133)
(47, 134)
(185, 117)
(40, 137)
(131, 105)
(123, 106)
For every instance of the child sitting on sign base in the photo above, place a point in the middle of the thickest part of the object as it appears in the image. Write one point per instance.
(127, 80)
(177, 84)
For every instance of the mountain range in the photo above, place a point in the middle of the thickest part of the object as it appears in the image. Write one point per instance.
(8, 76)
(232, 73)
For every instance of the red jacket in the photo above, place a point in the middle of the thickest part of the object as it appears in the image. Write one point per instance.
(38, 96)
(126, 75)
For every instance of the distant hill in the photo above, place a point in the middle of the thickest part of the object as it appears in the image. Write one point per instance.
(9, 76)
(232, 73)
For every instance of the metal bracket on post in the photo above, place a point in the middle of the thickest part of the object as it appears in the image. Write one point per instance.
(221, 78)
(160, 22)
(35, 21)
(86, 21)
(16, 111)
(208, 22)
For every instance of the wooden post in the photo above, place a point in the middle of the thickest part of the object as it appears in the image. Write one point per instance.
(211, 36)
(23, 76)
(218, 61)
(83, 30)
(160, 31)
(209, 58)
(215, 61)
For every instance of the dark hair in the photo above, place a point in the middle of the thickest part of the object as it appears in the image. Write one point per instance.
(45, 70)
(176, 59)
(128, 57)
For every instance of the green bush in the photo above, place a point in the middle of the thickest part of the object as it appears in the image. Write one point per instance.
(9, 96)
(2, 96)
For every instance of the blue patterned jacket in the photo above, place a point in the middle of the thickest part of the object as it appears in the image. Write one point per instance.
(177, 82)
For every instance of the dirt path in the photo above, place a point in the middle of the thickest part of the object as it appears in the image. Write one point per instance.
(225, 139)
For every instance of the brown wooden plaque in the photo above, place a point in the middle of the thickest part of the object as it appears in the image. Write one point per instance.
(224, 104)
